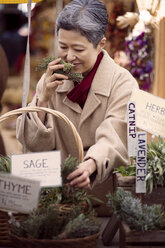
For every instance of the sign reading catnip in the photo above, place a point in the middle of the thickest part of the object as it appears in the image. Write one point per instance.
(18, 194)
(150, 112)
(42, 166)
(141, 160)
(131, 129)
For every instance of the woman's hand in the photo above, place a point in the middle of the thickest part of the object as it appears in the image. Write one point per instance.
(51, 80)
(81, 176)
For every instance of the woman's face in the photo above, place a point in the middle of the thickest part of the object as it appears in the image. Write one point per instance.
(76, 49)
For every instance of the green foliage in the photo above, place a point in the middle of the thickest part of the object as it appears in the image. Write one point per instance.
(69, 165)
(49, 223)
(129, 170)
(155, 164)
(67, 70)
(66, 194)
(131, 211)
(81, 226)
(5, 164)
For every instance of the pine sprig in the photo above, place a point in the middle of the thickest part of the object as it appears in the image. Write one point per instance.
(67, 70)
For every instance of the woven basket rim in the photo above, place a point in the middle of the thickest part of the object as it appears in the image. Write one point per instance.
(55, 113)
(87, 238)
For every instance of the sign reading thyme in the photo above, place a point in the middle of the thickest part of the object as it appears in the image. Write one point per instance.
(42, 166)
(141, 160)
(150, 112)
(18, 194)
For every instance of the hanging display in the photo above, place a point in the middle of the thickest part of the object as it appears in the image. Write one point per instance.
(139, 41)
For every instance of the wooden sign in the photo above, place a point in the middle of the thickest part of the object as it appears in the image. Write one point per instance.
(18, 194)
(42, 166)
(141, 160)
(150, 112)
(131, 129)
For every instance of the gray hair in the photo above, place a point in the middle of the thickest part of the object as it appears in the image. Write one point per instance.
(88, 17)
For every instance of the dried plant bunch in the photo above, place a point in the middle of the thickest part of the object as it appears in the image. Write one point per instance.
(67, 70)
(137, 216)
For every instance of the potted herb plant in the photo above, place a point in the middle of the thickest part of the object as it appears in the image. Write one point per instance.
(47, 227)
(140, 225)
(155, 179)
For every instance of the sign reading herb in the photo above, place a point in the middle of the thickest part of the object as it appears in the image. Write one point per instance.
(150, 112)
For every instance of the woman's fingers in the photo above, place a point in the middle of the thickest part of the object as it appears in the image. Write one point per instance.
(79, 178)
(57, 76)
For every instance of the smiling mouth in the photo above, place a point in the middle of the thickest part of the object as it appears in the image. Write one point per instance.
(77, 64)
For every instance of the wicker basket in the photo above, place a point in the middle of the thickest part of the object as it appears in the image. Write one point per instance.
(87, 242)
(4, 218)
(5, 239)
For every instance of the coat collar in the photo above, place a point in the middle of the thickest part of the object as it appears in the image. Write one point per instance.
(100, 86)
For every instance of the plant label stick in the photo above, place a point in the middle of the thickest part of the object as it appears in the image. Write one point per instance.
(141, 160)
(131, 129)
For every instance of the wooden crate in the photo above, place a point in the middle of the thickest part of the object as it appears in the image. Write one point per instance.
(136, 239)
(128, 183)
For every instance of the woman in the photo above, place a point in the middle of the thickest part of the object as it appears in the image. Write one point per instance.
(96, 106)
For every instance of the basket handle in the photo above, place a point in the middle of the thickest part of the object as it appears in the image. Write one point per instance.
(53, 112)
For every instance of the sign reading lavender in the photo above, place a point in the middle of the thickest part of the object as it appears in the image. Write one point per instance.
(141, 160)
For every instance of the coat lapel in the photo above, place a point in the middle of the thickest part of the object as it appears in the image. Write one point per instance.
(100, 86)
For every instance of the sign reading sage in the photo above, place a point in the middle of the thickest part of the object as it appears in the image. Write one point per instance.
(18, 194)
(131, 129)
(150, 112)
(42, 166)
(141, 160)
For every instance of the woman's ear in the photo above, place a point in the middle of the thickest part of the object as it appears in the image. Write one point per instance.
(102, 43)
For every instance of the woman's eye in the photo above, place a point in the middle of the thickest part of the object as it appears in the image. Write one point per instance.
(63, 48)
(79, 50)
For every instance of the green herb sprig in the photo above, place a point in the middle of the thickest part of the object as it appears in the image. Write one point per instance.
(67, 70)
(5, 164)
(67, 194)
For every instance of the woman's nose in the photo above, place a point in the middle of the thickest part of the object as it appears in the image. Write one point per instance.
(70, 56)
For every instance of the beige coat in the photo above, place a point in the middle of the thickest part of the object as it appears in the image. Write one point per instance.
(101, 123)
